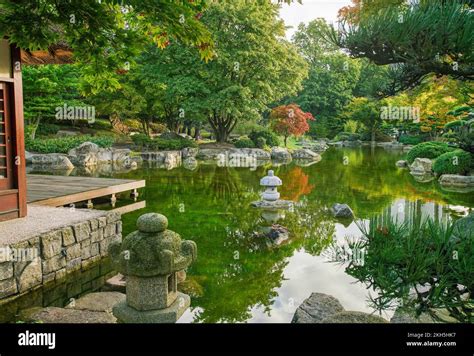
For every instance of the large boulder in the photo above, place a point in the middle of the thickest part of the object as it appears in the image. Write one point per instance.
(402, 316)
(316, 146)
(342, 211)
(402, 164)
(280, 154)
(232, 153)
(454, 180)
(258, 153)
(85, 155)
(306, 154)
(53, 161)
(316, 308)
(189, 152)
(464, 227)
(354, 317)
(421, 167)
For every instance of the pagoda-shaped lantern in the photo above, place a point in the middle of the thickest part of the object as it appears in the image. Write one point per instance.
(270, 182)
(151, 258)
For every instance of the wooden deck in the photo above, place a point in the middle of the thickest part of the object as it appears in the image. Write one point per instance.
(63, 190)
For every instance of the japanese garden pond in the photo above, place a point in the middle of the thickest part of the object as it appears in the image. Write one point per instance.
(240, 277)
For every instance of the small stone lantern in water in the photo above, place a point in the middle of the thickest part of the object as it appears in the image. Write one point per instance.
(271, 182)
(271, 196)
(150, 258)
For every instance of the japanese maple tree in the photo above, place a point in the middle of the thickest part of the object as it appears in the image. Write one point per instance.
(290, 120)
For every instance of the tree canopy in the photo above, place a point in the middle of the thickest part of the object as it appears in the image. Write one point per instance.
(433, 36)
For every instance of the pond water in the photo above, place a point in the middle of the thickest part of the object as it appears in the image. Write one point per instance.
(239, 276)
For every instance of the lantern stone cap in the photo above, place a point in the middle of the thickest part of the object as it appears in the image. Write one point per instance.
(152, 222)
(271, 180)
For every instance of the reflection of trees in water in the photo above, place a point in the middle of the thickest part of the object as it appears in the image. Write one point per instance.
(252, 271)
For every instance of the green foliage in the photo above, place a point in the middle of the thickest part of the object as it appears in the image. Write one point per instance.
(261, 142)
(65, 144)
(419, 40)
(47, 87)
(331, 81)
(367, 112)
(411, 140)
(429, 150)
(347, 136)
(351, 126)
(46, 129)
(106, 46)
(144, 142)
(244, 142)
(271, 139)
(398, 258)
(455, 162)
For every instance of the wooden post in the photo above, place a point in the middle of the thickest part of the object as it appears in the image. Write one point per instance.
(134, 194)
(113, 200)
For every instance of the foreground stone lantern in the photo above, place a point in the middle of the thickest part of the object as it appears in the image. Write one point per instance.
(150, 258)
(271, 182)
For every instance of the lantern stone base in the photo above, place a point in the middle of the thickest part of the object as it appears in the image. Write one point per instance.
(126, 314)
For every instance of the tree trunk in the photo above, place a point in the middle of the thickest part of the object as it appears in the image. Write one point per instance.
(286, 138)
(373, 136)
(222, 126)
(197, 132)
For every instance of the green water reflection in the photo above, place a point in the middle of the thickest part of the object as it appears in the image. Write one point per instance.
(240, 276)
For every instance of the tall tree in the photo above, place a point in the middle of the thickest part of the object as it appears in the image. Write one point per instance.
(253, 67)
(331, 81)
(429, 36)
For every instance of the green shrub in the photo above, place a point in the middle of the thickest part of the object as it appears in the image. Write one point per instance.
(455, 162)
(261, 142)
(65, 144)
(411, 140)
(271, 139)
(143, 142)
(101, 124)
(45, 129)
(244, 142)
(347, 136)
(429, 150)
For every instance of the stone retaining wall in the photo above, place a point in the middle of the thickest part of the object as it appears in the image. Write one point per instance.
(57, 253)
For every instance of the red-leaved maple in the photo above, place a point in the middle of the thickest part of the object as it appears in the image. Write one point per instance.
(290, 120)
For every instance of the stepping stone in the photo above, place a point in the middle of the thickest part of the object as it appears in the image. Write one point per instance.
(99, 302)
(54, 315)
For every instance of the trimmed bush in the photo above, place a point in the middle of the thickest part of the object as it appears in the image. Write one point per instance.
(65, 144)
(271, 139)
(261, 142)
(244, 142)
(45, 129)
(347, 136)
(429, 150)
(455, 162)
(410, 140)
(143, 142)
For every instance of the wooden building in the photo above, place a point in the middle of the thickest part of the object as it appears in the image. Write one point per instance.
(12, 137)
(12, 146)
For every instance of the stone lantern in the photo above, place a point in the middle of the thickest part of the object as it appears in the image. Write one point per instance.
(270, 182)
(150, 258)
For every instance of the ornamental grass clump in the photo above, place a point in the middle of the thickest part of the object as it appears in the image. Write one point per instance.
(421, 266)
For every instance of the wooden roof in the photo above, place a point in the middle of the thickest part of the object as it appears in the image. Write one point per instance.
(59, 53)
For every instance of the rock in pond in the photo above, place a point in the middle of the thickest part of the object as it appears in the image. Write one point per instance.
(454, 180)
(280, 154)
(54, 315)
(190, 163)
(306, 154)
(342, 211)
(421, 167)
(402, 164)
(54, 161)
(354, 317)
(189, 152)
(98, 302)
(316, 308)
